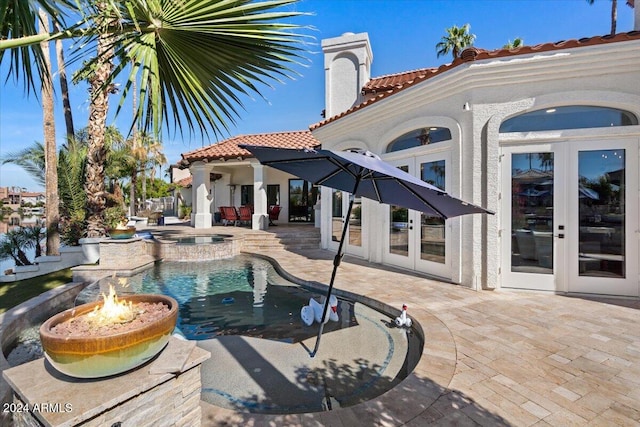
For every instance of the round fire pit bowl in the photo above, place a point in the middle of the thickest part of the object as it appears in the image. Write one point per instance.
(100, 356)
(122, 233)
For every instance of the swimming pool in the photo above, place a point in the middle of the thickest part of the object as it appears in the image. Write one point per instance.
(248, 317)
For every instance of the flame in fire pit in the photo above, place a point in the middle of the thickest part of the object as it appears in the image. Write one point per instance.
(113, 310)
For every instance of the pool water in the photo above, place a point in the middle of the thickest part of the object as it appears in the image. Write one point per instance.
(238, 296)
(198, 240)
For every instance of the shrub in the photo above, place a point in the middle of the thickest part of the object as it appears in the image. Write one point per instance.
(185, 211)
(114, 216)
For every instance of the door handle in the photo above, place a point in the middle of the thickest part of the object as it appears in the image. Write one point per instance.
(410, 227)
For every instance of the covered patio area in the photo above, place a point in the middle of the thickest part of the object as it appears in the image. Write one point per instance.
(223, 175)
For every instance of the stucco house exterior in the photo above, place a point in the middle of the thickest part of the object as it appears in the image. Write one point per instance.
(545, 136)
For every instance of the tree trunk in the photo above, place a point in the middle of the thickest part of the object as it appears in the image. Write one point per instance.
(614, 16)
(52, 216)
(64, 86)
(144, 187)
(96, 154)
(134, 177)
(132, 193)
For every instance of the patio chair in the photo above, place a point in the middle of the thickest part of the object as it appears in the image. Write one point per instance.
(154, 218)
(245, 214)
(230, 215)
(274, 213)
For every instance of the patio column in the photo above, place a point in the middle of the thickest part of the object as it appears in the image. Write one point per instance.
(260, 220)
(201, 214)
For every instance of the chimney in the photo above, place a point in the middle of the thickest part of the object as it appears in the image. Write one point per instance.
(347, 68)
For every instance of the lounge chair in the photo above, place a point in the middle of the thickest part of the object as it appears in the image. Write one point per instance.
(274, 213)
(230, 215)
(245, 214)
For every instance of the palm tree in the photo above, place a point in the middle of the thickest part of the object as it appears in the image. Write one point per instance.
(455, 41)
(52, 213)
(12, 245)
(72, 161)
(614, 14)
(516, 43)
(191, 61)
(149, 154)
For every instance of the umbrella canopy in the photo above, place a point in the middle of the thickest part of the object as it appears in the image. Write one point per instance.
(361, 173)
(364, 174)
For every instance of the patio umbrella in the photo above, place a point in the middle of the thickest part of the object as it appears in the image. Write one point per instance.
(361, 173)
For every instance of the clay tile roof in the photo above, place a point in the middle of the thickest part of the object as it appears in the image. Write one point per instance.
(185, 182)
(385, 86)
(392, 81)
(228, 149)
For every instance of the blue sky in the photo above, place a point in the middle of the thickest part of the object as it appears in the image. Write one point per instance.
(403, 35)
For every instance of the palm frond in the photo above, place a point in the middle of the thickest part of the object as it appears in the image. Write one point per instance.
(31, 159)
(19, 20)
(195, 59)
(71, 173)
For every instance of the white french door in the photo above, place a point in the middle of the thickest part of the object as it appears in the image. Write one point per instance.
(570, 217)
(414, 239)
(532, 211)
(602, 233)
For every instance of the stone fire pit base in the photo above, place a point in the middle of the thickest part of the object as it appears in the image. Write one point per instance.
(163, 392)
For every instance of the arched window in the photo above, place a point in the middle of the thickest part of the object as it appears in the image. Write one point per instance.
(569, 117)
(418, 137)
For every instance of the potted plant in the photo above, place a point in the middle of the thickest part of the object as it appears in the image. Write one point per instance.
(116, 223)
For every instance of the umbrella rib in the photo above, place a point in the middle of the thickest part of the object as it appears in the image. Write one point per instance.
(370, 176)
(422, 199)
(335, 172)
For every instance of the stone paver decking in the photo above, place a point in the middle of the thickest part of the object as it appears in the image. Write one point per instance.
(490, 358)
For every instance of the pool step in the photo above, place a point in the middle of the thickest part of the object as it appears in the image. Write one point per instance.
(283, 238)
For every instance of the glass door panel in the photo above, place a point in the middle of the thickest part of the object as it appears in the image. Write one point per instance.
(601, 209)
(530, 257)
(532, 189)
(603, 197)
(399, 227)
(432, 228)
(355, 223)
(336, 215)
(302, 196)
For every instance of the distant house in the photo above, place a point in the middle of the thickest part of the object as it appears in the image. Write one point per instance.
(32, 198)
(11, 196)
(546, 136)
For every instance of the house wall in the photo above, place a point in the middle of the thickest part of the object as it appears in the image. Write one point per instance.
(494, 90)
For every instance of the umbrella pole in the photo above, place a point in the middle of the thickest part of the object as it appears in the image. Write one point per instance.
(336, 263)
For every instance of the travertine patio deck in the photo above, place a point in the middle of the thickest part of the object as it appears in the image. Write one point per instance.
(490, 358)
